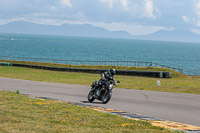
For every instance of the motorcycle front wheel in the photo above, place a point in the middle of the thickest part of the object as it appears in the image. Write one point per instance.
(90, 96)
(106, 98)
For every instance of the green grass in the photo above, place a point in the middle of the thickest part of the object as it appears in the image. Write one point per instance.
(185, 84)
(21, 114)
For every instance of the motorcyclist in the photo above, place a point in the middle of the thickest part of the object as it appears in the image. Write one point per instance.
(106, 76)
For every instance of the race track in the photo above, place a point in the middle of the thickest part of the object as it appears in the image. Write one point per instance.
(177, 107)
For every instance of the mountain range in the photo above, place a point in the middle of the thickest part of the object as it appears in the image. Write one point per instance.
(87, 30)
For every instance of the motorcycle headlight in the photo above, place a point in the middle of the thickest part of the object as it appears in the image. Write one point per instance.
(110, 86)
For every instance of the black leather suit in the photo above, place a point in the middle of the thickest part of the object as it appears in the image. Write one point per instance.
(104, 78)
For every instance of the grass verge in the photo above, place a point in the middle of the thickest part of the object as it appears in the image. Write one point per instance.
(21, 114)
(186, 84)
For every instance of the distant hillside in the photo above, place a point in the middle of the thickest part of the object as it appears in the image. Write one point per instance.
(87, 30)
(176, 35)
(65, 29)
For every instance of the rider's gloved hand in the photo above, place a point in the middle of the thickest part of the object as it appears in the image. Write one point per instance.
(115, 83)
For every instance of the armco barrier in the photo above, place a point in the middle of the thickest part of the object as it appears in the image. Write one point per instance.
(155, 74)
(5, 64)
(90, 62)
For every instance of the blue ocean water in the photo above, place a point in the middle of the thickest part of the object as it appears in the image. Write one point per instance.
(174, 54)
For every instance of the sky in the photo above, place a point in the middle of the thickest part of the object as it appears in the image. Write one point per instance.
(138, 17)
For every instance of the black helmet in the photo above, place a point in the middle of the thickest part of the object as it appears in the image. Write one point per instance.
(112, 72)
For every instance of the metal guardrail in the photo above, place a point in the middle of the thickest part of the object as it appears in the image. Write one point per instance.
(86, 62)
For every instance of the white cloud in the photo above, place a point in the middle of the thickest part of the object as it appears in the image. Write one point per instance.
(197, 9)
(195, 17)
(66, 3)
(185, 19)
(4, 21)
(134, 16)
(133, 29)
(124, 4)
(197, 31)
(143, 8)
(149, 8)
(42, 14)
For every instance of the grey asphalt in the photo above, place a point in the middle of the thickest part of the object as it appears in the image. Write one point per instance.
(177, 107)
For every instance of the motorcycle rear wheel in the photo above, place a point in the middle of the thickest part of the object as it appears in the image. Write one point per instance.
(90, 96)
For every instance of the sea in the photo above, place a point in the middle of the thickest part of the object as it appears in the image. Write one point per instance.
(182, 55)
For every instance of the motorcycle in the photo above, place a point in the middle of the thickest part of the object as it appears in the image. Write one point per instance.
(101, 92)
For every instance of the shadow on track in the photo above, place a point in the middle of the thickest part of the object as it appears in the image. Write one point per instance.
(91, 102)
